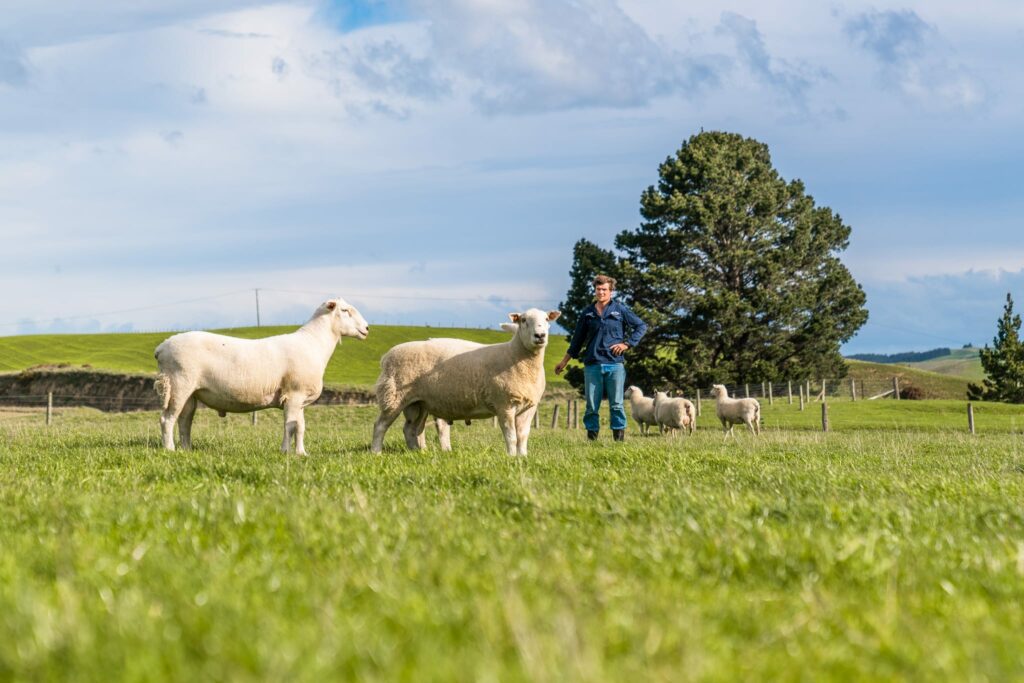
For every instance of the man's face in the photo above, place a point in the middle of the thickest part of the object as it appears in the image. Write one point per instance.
(603, 293)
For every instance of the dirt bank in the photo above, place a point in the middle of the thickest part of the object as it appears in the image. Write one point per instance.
(112, 392)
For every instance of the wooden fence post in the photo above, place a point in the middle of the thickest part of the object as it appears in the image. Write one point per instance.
(853, 389)
(536, 418)
(254, 418)
(568, 413)
(801, 397)
(824, 416)
(771, 398)
(807, 393)
(494, 421)
(746, 390)
(823, 390)
(575, 414)
(554, 416)
(763, 392)
(49, 408)
(896, 387)
(970, 417)
(698, 402)
(789, 391)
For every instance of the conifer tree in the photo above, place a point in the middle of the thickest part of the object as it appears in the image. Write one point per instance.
(736, 271)
(1003, 363)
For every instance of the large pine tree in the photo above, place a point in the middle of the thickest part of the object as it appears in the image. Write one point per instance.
(736, 271)
(1003, 363)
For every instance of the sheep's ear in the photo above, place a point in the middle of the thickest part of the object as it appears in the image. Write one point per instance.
(515, 317)
(509, 327)
(553, 315)
(331, 305)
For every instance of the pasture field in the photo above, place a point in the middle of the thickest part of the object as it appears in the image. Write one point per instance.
(862, 554)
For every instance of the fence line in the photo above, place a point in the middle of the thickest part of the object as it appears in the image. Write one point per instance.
(117, 403)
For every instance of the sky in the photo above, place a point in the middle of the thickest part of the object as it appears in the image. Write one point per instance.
(434, 162)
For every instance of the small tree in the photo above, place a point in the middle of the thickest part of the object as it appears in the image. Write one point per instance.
(1003, 363)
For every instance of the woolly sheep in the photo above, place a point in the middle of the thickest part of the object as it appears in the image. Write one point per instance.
(734, 411)
(674, 413)
(641, 407)
(453, 379)
(234, 375)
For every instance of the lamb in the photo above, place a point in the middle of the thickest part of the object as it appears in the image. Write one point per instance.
(641, 407)
(234, 375)
(453, 379)
(734, 411)
(674, 413)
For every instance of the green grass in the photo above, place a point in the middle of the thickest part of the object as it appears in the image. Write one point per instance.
(355, 363)
(889, 549)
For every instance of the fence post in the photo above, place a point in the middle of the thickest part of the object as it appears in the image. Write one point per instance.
(823, 390)
(824, 416)
(536, 417)
(554, 416)
(771, 398)
(254, 418)
(49, 408)
(698, 402)
(970, 417)
(494, 421)
(801, 397)
(568, 412)
(853, 389)
(807, 394)
(746, 390)
(763, 392)
(789, 391)
(896, 387)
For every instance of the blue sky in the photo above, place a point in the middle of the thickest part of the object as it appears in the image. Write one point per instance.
(434, 161)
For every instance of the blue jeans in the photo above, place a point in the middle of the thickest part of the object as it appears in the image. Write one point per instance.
(600, 381)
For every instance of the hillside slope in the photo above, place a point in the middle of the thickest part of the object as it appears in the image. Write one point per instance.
(356, 363)
(964, 363)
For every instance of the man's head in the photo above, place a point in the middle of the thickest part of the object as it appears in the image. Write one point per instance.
(604, 287)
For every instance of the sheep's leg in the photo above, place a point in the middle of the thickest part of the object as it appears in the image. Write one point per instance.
(444, 434)
(176, 400)
(188, 411)
(523, 423)
(507, 418)
(415, 421)
(294, 426)
(380, 428)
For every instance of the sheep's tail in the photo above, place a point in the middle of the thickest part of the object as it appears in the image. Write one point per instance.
(386, 392)
(163, 389)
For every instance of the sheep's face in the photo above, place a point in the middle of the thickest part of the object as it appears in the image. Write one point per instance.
(719, 390)
(633, 391)
(346, 321)
(532, 327)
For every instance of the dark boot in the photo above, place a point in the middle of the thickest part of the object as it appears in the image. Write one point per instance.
(619, 434)
(591, 436)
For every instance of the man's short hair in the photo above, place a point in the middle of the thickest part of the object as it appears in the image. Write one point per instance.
(605, 280)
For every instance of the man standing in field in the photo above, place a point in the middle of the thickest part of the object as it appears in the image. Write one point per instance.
(605, 331)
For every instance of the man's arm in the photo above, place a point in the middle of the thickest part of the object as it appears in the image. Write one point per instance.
(637, 327)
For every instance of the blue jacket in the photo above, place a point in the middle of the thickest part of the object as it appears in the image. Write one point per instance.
(601, 332)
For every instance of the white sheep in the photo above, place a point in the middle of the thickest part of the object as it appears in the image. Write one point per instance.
(234, 375)
(674, 413)
(453, 379)
(734, 411)
(641, 407)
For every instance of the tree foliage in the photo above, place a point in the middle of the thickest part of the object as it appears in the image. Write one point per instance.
(735, 270)
(1003, 363)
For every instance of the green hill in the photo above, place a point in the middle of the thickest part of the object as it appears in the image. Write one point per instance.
(964, 363)
(356, 363)
(877, 377)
